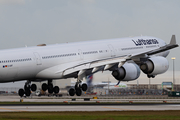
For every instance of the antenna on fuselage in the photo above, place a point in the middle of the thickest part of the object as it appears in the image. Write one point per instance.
(41, 45)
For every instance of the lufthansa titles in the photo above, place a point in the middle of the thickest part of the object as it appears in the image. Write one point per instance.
(145, 42)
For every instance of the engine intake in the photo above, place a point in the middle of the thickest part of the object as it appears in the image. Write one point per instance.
(128, 72)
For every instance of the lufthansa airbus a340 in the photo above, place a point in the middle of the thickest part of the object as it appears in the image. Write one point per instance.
(125, 57)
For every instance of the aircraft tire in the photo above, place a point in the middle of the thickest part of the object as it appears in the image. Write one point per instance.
(50, 91)
(26, 87)
(56, 89)
(84, 87)
(78, 91)
(28, 92)
(44, 86)
(33, 87)
(77, 86)
(71, 92)
(50, 88)
(21, 92)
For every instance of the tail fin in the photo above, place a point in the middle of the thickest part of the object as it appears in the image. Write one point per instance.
(89, 79)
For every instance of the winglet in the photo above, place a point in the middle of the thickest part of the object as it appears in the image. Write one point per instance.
(173, 40)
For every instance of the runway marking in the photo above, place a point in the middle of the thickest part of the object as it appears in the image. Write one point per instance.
(12, 109)
(117, 108)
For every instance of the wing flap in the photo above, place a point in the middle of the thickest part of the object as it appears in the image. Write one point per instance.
(76, 68)
(95, 66)
(106, 62)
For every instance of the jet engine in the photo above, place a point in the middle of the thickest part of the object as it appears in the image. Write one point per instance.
(128, 72)
(155, 65)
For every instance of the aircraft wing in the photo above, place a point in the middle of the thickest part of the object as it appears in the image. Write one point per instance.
(96, 65)
(106, 64)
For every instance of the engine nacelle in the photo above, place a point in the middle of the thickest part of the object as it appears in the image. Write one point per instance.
(128, 72)
(155, 65)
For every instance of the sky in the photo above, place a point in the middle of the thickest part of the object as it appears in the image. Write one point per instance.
(32, 22)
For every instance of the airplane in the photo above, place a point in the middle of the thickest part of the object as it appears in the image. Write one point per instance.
(125, 57)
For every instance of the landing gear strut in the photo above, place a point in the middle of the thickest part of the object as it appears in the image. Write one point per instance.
(50, 86)
(27, 89)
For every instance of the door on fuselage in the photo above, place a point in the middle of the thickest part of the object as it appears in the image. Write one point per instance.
(38, 59)
(81, 54)
(112, 50)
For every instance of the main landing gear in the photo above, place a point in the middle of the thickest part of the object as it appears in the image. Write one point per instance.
(50, 87)
(27, 89)
(78, 89)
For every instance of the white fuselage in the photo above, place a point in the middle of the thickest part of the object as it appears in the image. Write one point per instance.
(48, 62)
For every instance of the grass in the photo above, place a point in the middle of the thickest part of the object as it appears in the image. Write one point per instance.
(107, 115)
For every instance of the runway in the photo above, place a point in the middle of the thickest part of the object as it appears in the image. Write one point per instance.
(44, 99)
(57, 104)
(50, 108)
